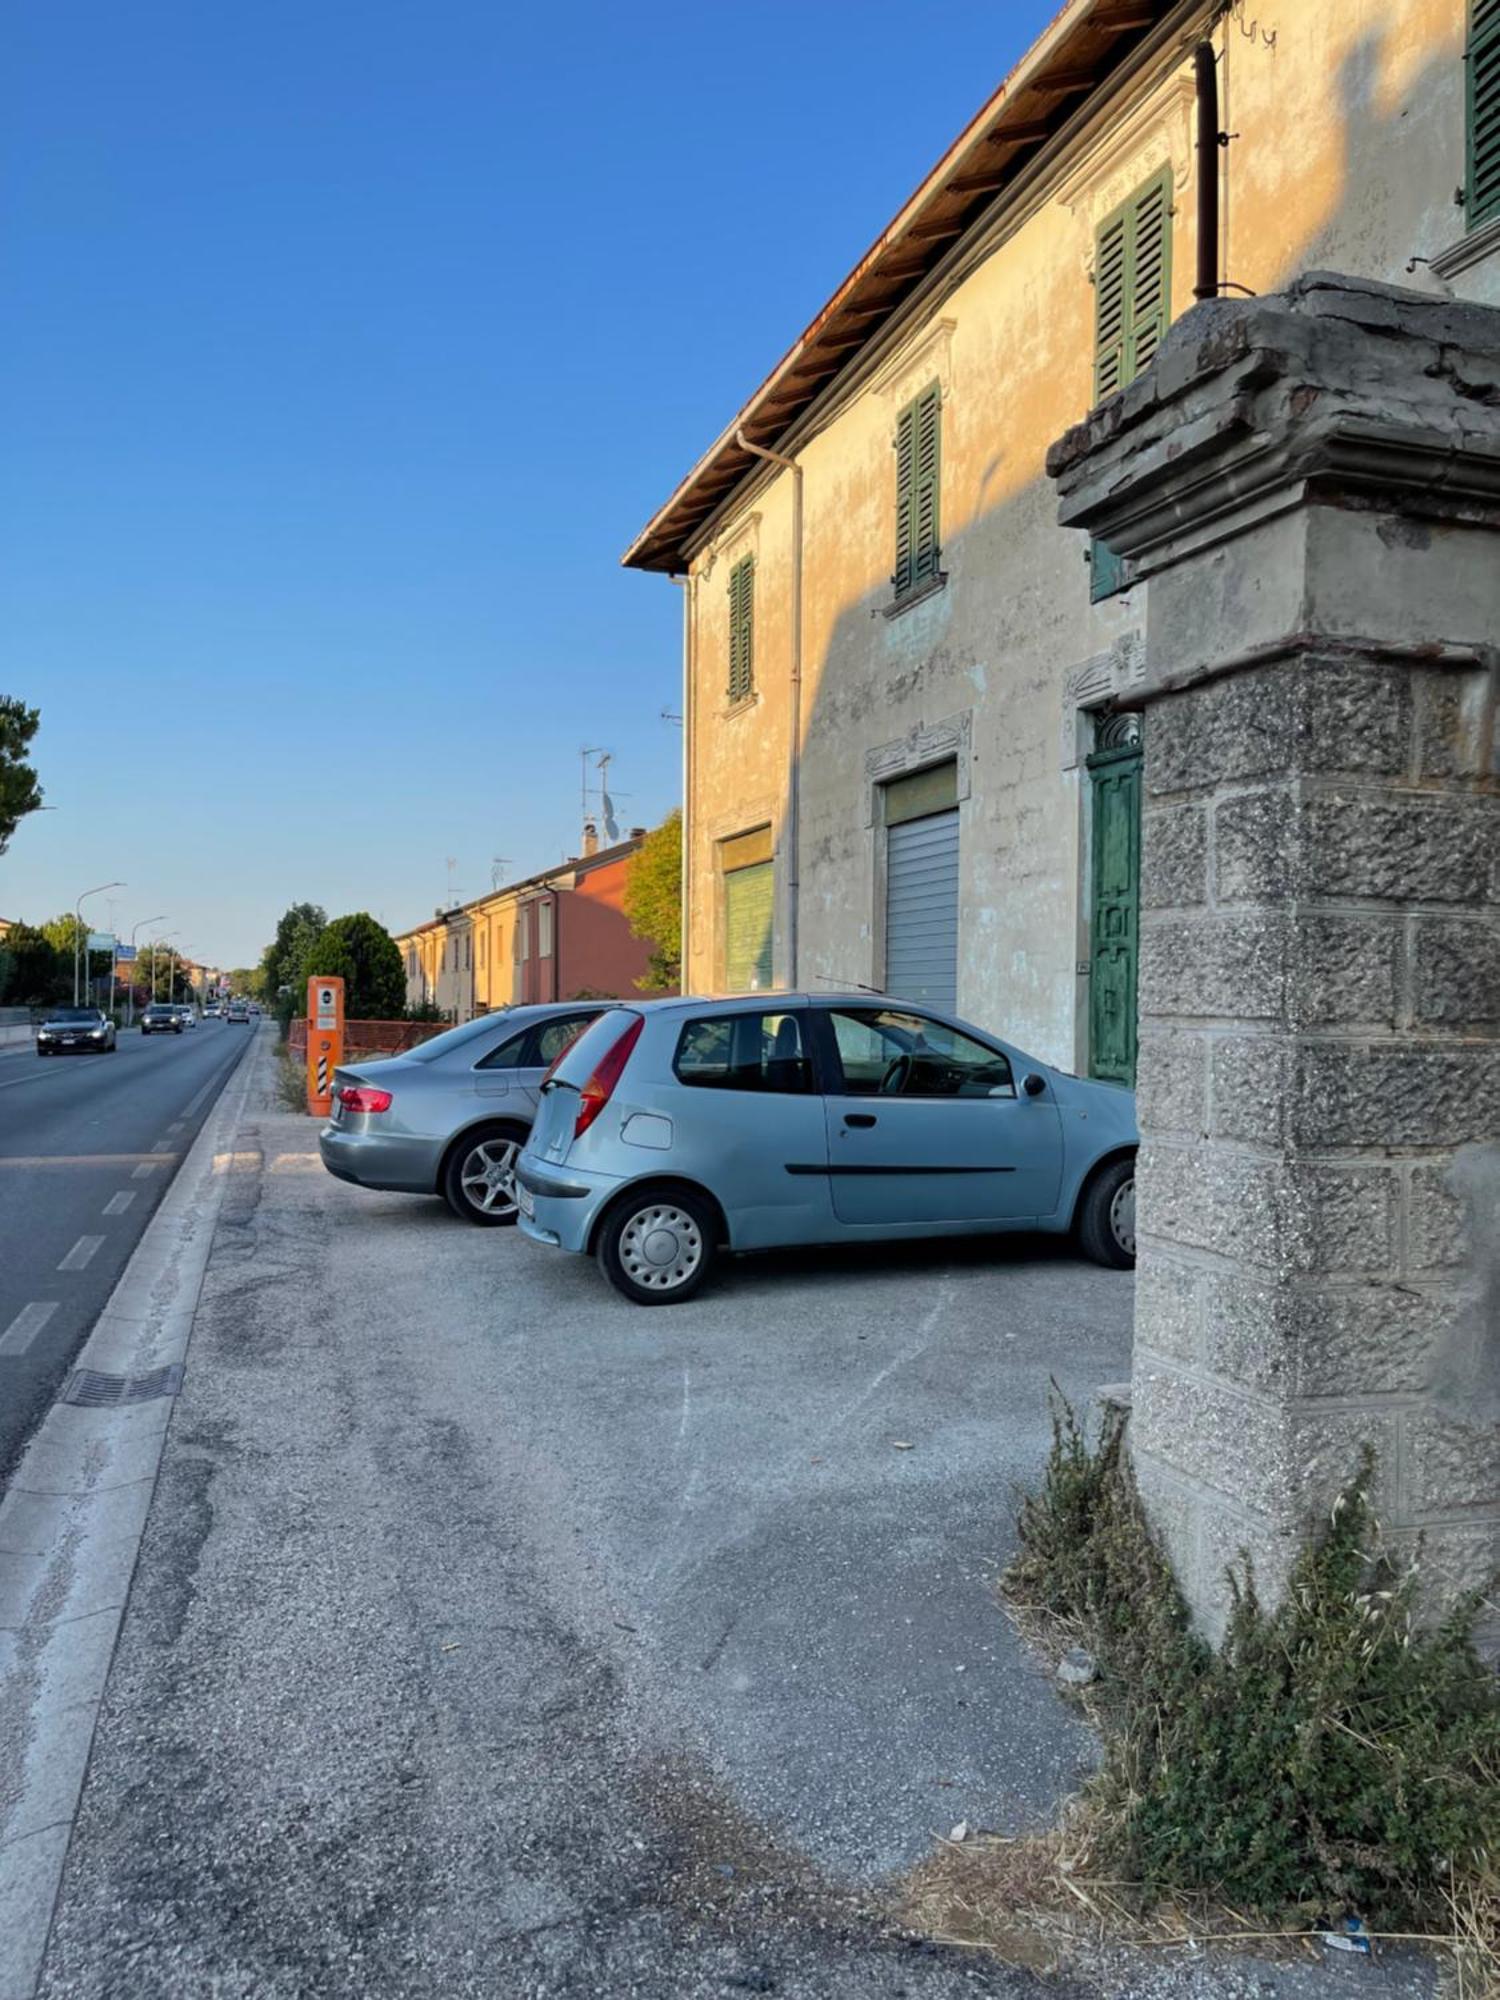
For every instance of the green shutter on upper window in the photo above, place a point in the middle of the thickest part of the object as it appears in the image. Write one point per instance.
(1482, 105)
(1133, 285)
(742, 629)
(918, 482)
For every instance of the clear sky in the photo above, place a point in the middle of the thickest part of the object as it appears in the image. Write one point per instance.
(346, 345)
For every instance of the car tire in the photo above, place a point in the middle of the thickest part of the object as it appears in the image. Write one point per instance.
(1106, 1217)
(658, 1245)
(470, 1175)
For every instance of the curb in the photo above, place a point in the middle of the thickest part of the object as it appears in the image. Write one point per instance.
(70, 1531)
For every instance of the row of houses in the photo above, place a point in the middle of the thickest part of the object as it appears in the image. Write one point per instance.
(913, 757)
(559, 935)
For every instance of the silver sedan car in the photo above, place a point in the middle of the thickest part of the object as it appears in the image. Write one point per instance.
(451, 1116)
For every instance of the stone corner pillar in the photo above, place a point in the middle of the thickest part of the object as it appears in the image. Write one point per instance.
(1309, 488)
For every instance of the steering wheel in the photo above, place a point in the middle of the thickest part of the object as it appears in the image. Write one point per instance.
(897, 1076)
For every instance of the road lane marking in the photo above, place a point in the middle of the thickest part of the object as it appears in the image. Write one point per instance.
(176, 1125)
(80, 1253)
(118, 1203)
(26, 1325)
(198, 1096)
(162, 1146)
(56, 1062)
(144, 1171)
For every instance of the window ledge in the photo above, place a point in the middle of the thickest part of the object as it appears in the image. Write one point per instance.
(934, 583)
(746, 701)
(1470, 249)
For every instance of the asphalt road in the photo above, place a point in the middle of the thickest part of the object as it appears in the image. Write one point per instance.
(88, 1146)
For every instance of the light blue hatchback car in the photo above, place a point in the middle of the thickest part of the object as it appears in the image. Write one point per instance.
(677, 1129)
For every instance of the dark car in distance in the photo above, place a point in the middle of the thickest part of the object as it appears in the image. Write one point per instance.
(81, 1028)
(160, 1019)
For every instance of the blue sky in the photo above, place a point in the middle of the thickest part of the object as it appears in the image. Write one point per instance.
(346, 345)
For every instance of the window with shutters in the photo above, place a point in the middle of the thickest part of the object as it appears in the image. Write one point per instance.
(918, 474)
(1482, 106)
(742, 630)
(1132, 311)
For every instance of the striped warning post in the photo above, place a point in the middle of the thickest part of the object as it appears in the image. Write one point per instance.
(323, 1075)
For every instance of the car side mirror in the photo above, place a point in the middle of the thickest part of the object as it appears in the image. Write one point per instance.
(1034, 1085)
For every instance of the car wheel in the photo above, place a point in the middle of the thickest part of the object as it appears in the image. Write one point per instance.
(658, 1246)
(1106, 1218)
(479, 1179)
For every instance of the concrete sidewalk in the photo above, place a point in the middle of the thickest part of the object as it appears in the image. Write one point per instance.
(494, 1637)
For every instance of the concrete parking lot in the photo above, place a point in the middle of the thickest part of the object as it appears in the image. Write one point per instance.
(477, 1604)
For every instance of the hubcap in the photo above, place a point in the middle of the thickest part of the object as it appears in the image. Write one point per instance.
(661, 1247)
(1122, 1217)
(489, 1178)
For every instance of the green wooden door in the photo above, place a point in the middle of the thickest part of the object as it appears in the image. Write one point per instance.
(1115, 774)
(748, 898)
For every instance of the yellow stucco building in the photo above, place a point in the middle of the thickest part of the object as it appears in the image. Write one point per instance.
(912, 760)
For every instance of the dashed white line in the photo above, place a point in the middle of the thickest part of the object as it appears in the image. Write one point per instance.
(80, 1253)
(162, 1146)
(118, 1203)
(144, 1171)
(26, 1325)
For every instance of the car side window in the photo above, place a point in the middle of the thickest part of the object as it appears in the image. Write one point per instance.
(885, 1053)
(507, 1056)
(553, 1037)
(744, 1052)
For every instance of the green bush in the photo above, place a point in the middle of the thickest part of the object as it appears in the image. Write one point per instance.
(1333, 1756)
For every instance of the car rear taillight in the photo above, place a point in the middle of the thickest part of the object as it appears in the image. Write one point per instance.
(597, 1092)
(361, 1097)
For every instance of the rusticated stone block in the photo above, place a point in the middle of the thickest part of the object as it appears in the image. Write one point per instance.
(1454, 1562)
(1392, 1095)
(1256, 847)
(1218, 967)
(1174, 859)
(1429, 850)
(1355, 717)
(1341, 970)
(1235, 1445)
(1175, 1514)
(1169, 1307)
(1252, 1077)
(1437, 1222)
(1225, 731)
(1323, 1456)
(1171, 1083)
(1274, 1216)
(1451, 1465)
(1456, 972)
(1226, 1543)
(1248, 1336)
(1375, 1340)
(1453, 731)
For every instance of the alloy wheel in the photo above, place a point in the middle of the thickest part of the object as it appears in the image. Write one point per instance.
(661, 1247)
(488, 1178)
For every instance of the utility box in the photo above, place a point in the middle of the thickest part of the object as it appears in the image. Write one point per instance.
(325, 1041)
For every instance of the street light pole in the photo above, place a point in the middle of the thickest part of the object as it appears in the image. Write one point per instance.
(78, 933)
(131, 1003)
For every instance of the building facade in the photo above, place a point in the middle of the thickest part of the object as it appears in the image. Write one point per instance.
(559, 935)
(913, 760)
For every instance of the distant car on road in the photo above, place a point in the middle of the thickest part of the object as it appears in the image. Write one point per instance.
(211, 1011)
(81, 1028)
(189, 1014)
(160, 1019)
(677, 1128)
(237, 1011)
(451, 1116)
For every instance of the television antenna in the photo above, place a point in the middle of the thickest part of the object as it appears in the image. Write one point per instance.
(452, 862)
(498, 865)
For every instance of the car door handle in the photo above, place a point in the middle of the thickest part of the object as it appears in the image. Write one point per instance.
(860, 1118)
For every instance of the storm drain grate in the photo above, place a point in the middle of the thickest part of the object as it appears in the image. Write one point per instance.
(98, 1391)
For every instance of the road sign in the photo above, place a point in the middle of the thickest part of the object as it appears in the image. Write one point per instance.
(125, 954)
(101, 941)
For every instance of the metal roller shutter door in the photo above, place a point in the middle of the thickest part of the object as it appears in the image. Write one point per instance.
(921, 910)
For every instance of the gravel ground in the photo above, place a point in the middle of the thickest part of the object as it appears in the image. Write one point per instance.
(494, 1637)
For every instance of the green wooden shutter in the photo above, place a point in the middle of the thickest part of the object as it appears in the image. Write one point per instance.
(918, 486)
(1132, 311)
(1482, 62)
(742, 629)
(748, 898)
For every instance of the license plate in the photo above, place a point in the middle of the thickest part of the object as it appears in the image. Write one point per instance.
(525, 1201)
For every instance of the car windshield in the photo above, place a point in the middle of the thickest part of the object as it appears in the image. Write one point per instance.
(90, 1014)
(457, 1038)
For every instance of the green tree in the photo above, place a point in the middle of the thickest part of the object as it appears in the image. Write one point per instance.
(38, 974)
(280, 965)
(19, 791)
(66, 935)
(366, 957)
(653, 901)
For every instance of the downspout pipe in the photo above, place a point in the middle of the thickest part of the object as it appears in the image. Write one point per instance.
(794, 748)
(1206, 80)
(687, 586)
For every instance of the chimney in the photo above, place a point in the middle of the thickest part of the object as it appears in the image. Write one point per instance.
(590, 838)
(637, 833)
